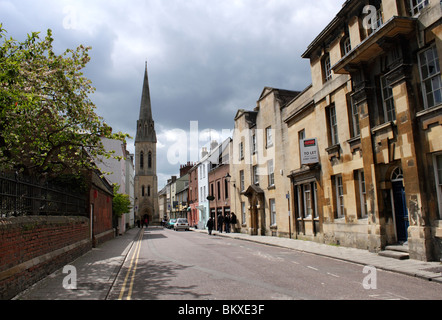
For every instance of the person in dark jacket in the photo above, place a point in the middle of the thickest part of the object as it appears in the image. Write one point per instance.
(210, 225)
(220, 223)
(233, 221)
(227, 223)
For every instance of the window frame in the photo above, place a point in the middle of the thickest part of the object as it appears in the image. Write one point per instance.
(243, 213)
(355, 123)
(388, 101)
(272, 209)
(438, 181)
(255, 175)
(362, 193)
(271, 171)
(327, 68)
(339, 196)
(333, 124)
(430, 76)
(269, 137)
(415, 9)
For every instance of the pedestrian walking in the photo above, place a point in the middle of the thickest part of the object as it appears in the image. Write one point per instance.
(233, 221)
(210, 226)
(227, 222)
(220, 223)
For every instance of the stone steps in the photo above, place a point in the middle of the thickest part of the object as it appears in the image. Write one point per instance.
(399, 252)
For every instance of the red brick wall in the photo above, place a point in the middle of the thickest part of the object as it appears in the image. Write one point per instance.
(102, 211)
(55, 241)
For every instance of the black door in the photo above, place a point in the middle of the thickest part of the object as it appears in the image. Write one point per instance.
(400, 210)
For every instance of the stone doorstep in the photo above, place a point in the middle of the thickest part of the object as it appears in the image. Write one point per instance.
(400, 248)
(395, 254)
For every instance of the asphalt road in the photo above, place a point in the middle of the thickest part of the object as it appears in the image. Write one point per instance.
(170, 265)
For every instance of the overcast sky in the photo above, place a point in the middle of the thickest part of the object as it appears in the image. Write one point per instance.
(206, 58)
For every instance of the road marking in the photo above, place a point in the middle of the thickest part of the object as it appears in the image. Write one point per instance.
(333, 275)
(133, 264)
(312, 268)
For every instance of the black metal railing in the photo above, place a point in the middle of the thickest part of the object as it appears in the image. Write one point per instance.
(23, 196)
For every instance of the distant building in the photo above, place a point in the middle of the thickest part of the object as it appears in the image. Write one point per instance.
(121, 173)
(257, 165)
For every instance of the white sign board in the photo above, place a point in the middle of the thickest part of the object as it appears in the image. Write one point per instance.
(309, 151)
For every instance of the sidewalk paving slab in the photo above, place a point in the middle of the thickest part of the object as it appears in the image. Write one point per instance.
(96, 272)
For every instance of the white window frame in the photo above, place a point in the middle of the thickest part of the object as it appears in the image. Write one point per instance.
(254, 150)
(388, 100)
(327, 69)
(241, 180)
(243, 212)
(339, 185)
(416, 6)
(272, 207)
(347, 46)
(269, 137)
(355, 118)
(438, 178)
(255, 174)
(241, 151)
(363, 193)
(271, 173)
(333, 120)
(431, 76)
(376, 24)
(307, 193)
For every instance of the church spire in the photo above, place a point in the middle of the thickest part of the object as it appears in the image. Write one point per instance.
(145, 124)
(146, 107)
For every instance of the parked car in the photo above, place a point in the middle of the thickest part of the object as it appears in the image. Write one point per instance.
(171, 223)
(181, 224)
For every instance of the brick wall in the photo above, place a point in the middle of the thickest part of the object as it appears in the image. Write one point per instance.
(33, 247)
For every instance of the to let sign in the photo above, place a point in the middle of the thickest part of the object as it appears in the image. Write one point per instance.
(309, 151)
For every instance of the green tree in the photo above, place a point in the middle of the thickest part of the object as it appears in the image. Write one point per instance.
(48, 124)
(121, 203)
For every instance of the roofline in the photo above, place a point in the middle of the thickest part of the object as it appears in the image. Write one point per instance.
(330, 27)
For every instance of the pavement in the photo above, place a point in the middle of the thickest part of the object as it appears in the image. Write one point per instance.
(98, 269)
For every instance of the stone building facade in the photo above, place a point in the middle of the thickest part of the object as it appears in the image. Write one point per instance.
(257, 164)
(372, 119)
(374, 107)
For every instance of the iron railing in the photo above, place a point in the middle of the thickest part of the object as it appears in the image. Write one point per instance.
(23, 196)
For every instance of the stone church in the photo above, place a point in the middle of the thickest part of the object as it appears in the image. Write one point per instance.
(146, 181)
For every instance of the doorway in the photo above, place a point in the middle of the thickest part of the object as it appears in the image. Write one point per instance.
(399, 206)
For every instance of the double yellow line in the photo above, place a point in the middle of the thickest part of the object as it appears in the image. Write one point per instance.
(132, 269)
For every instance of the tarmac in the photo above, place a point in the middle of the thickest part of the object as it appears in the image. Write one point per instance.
(98, 269)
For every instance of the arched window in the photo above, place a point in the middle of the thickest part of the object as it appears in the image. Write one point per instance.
(148, 191)
(142, 160)
(142, 191)
(149, 160)
(397, 175)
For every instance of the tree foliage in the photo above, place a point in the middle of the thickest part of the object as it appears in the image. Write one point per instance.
(48, 124)
(121, 203)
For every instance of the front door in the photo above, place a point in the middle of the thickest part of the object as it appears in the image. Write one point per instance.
(254, 221)
(400, 211)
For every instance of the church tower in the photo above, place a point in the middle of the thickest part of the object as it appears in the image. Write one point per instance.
(146, 181)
